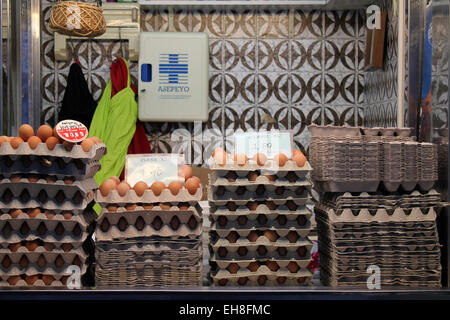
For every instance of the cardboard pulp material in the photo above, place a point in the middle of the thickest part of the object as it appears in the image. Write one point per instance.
(40, 262)
(243, 233)
(84, 218)
(148, 197)
(262, 208)
(302, 279)
(282, 264)
(140, 222)
(270, 167)
(232, 223)
(57, 168)
(36, 189)
(262, 271)
(59, 282)
(353, 186)
(336, 131)
(260, 180)
(267, 195)
(96, 153)
(245, 202)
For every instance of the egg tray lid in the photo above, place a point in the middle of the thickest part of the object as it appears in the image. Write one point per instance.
(32, 266)
(148, 197)
(303, 279)
(251, 165)
(231, 221)
(96, 153)
(281, 230)
(51, 189)
(253, 196)
(58, 168)
(380, 215)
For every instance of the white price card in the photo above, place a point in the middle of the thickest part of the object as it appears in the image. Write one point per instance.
(268, 142)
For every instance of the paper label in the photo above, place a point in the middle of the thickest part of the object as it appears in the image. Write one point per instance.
(151, 168)
(71, 130)
(268, 142)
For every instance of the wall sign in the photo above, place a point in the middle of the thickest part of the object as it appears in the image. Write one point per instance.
(71, 130)
(268, 142)
(152, 167)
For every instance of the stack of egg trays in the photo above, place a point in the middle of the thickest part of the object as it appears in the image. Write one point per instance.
(149, 240)
(403, 242)
(279, 206)
(46, 215)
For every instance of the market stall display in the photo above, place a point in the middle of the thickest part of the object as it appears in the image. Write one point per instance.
(259, 220)
(377, 206)
(46, 216)
(149, 236)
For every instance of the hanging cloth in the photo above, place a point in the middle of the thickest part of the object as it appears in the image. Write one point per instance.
(77, 103)
(114, 122)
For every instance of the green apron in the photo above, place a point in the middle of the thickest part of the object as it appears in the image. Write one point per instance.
(114, 122)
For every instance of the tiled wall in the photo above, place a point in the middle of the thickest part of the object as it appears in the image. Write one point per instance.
(381, 86)
(268, 69)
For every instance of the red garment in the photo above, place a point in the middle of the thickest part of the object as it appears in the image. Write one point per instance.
(119, 77)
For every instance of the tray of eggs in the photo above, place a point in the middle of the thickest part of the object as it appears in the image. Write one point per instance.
(46, 142)
(238, 194)
(41, 262)
(149, 223)
(263, 280)
(39, 245)
(35, 281)
(255, 208)
(244, 178)
(222, 161)
(114, 191)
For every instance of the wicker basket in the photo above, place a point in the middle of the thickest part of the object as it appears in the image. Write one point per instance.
(77, 19)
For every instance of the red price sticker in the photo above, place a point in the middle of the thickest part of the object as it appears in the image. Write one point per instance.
(71, 130)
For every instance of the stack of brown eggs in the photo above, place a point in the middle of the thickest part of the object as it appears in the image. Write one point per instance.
(149, 236)
(46, 217)
(260, 222)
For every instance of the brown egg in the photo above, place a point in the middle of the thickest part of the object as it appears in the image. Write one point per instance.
(15, 142)
(262, 250)
(293, 267)
(291, 205)
(41, 262)
(112, 208)
(69, 180)
(59, 261)
(59, 230)
(66, 247)
(115, 179)
(242, 281)
(140, 223)
(105, 225)
(252, 205)
(282, 220)
(240, 190)
(107, 186)
(48, 280)
(192, 223)
(217, 150)
(222, 221)
(296, 151)
(52, 142)
(68, 145)
(260, 159)
(260, 190)
(231, 206)
(281, 280)
(185, 172)
(14, 246)
(123, 188)
(299, 159)
(272, 265)
(158, 187)
(220, 157)
(56, 135)
(23, 262)
(301, 220)
(131, 207)
(49, 246)
(51, 179)
(262, 219)
(33, 178)
(253, 266)
(60, 196)
(157, 223)
(271, 235)
(299, 191)
(242, 220)
(87, 144)
(67, 215)
(232, 237)
(233, 268)
(33, 142)
(148, 206)
(12, 280)
(6, 262)
(30, 280)
(164, 206)
(242, 251)
(292, 236)
(252, 236)
(15, 213)
(231, 176)
(33, 213)
(76, 230)
(192, 185)
(223, 282)
(140, 188)
(270, 177)
(291, 176)
(44, 132)
(252, 176)
(197, 179)
(49, 215)
(281, 159)
(222, 252)
(262, 280)
(175, 187)
(240, 159)
(26, 131)
(301, 251)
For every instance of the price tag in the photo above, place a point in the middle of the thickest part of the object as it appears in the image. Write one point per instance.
(151, 168)
(71, 130)
(268, 142)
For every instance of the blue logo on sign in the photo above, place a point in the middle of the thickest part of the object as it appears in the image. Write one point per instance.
(173, 68)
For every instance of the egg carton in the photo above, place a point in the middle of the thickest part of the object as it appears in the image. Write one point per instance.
(216, 180)
(298, 221)
(379, 215)
(60, 281)
(303, 279)
(270, 166)
(36, 189)
(45, 262)
(96, 153)
(249, 195)
(130, 224)
(334, 131)
(148, 197)
(58, 168)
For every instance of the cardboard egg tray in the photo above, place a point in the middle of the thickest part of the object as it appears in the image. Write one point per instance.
(262, 209)
(268, 195)
(219, 273)
(141, 222)
(57, 168)
(243, 231)
(260, 180)
(59, 282)
(269, 167)
(148, 197)
(302, 278)
(96, 153)
(36, 189)
(234, 222)
(40, 262)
